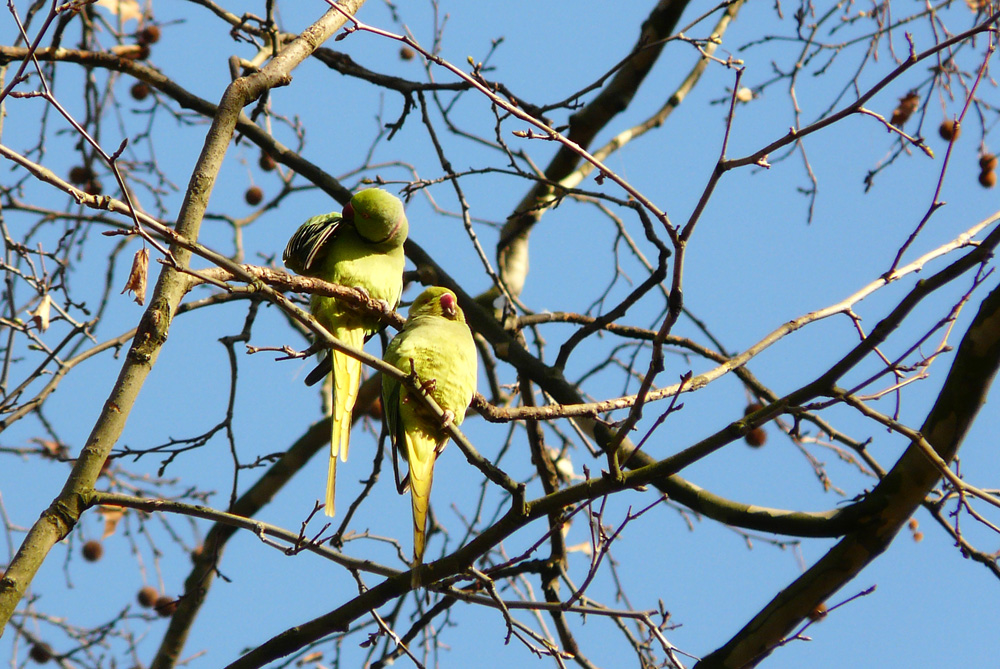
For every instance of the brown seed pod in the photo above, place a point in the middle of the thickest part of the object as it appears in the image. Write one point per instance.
(907, 105)
(254, 196)
(40, 652)
(93, 550)
(406, 53)
(196, 552)
(80, 175)
(149, 35)
(988, 162)
(756, 437)
(147, 597)
(949, 130)
(165, 606)
(266, 162)
(987, 178)
(93, 187)
(139, 90)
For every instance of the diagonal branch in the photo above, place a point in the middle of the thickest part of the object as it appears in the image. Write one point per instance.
(894, 500)
(61, 516)
(512, 248)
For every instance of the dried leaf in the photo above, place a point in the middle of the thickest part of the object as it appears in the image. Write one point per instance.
(907, 105)
(583, 547)
(136, 283)
(310, 658)
(42, 313)
(51, 447)
(111, 514)
(125, 9)
(564, 466)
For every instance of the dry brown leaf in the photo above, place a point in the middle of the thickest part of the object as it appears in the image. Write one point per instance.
(137, 276)
(125, 9)
(111, 515)
(311, 657)
(41, 315)
(564, 466)
(907, 105)
(51, 447)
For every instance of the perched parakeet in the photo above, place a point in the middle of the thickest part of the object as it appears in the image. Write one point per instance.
(362, 248)
(436, 344)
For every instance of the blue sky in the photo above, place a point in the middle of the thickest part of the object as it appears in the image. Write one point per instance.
(753, 263)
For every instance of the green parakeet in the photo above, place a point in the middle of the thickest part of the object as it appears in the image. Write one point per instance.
(363, 248)
(437, 345)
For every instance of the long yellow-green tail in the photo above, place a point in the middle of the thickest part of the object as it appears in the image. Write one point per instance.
(346, 380)
(421, 454)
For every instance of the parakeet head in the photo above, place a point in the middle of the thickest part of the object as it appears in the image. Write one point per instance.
(437, 301)
(377, 215)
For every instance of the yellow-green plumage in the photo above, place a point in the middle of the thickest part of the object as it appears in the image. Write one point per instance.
(437, 345)
(362, 248)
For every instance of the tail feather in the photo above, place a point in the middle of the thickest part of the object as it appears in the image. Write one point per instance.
(331, 486)
(421, 456)
(346, 380)
(344, 388)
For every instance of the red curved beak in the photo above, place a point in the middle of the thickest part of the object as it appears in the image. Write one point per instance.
(448, 305)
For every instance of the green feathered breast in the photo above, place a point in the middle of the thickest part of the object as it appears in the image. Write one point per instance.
(443, 352)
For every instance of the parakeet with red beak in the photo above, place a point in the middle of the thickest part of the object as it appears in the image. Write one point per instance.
(362, 248)
(437, 346)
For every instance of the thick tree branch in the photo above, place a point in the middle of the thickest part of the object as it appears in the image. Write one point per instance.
(512, 248)
(894, 500)
(56, 522)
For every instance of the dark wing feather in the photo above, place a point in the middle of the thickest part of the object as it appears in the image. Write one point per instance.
(308, 242)
(325, 364)
(394, 425)
(319, 372)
